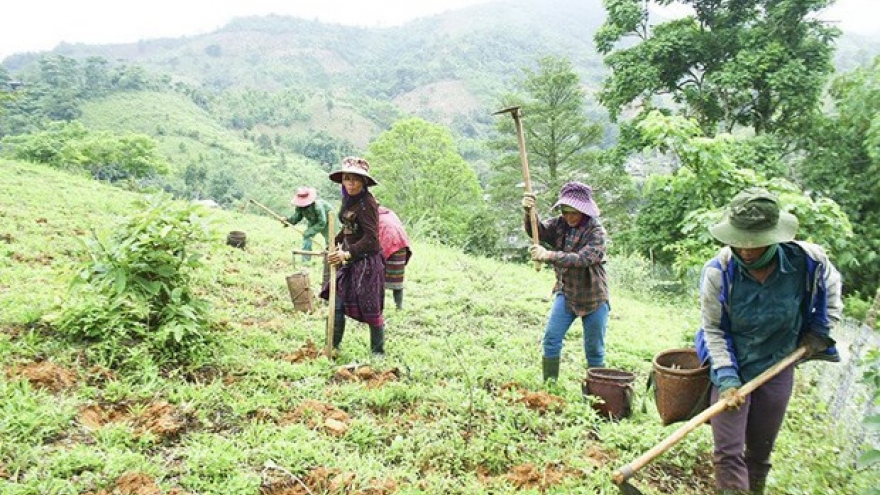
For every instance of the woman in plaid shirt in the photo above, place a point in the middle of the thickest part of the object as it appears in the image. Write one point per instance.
(577, 242)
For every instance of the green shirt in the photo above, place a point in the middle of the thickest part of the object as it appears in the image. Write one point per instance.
(315, 216)
(766, 318)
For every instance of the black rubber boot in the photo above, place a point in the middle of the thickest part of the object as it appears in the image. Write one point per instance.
(398, 298)
(377, 340)
(731, 492)
(551, 368)
(338, 325)
(757, 486)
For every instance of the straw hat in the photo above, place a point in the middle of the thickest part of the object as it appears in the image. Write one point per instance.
(580, 197)
(354, 165)
(304, 197)
(753, 220)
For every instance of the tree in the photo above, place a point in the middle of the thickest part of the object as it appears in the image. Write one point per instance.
(562, 144)
(755, 63)
(679, 207)
(843, 162)
(424, 179)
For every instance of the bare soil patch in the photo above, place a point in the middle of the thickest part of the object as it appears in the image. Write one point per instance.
(44, 374)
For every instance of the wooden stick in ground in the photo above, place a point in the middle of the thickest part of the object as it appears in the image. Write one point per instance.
(331, 300)
(623, 474)
(284, 220)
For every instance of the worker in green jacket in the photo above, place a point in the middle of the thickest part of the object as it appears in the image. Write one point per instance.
(314, 211)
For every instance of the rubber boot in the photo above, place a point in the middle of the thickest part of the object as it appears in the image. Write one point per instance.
(757, 486)
(551, 368)
(377, 340)
(398, 298)
(731, 492)
(338, 325)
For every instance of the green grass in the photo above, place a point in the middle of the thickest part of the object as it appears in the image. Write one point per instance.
(448, 424)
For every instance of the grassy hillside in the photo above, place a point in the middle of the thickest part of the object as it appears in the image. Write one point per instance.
(457, 406)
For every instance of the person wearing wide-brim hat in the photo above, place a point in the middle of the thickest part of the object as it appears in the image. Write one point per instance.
(360, 280)
(577, 251)
(314, 211)
(762, 296)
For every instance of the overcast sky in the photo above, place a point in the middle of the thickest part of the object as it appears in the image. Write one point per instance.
(37, 25)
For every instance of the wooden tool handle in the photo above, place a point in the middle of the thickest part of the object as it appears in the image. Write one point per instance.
(624, 473)
(331, 300)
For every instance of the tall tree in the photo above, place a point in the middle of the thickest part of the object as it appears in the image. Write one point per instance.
(755, 63)
(561, 142)
(424, 179)
(843, 162)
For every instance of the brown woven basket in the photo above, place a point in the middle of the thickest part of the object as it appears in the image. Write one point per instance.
(681, 385)
(301, 292)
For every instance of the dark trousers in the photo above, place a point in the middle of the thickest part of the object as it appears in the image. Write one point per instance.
(744, 438)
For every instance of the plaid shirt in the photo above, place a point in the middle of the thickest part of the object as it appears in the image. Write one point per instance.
(579, 259)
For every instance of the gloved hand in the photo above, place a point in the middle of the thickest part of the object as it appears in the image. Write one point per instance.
(539, 253)
(528, 201)
(732, 398)
(728, 387)
(815, 343)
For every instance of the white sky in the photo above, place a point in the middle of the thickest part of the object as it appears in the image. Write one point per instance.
(38, 25)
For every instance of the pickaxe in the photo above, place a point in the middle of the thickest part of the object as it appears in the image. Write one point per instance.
(516, 113)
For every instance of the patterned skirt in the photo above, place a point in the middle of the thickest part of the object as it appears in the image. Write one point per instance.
(394, 269)
(359, 284)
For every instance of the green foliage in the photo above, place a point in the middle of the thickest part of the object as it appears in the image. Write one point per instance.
(133, 298)
(760, 64)
(843, 163)
(424, 179)
(70, 146)
(870, 458)
(671, 225)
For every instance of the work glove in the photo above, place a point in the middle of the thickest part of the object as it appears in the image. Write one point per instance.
(528, 201)
(728, 387)
(815, 343)
(539, 253)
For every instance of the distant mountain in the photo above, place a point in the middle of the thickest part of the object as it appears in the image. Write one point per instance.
(445, 68)
(450, 68)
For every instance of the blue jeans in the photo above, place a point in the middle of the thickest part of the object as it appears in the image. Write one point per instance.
(560, 321)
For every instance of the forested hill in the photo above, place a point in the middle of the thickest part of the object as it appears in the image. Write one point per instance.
(483, 46)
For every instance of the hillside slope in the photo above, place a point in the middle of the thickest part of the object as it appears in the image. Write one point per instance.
(456, 407)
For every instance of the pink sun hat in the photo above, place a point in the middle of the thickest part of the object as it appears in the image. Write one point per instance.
(304, 197)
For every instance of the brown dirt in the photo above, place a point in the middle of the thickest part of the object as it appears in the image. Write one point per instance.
(44, 374)
(159, 418)
(363, 373)
(136, 484)
(529, 477)
(318, 415)
(307, 352)
(536, 401)
(323, 480)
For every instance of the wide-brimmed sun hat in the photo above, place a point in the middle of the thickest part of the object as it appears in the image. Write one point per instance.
(304, 197)
(578, 196)
(753, 219)
(354, 165)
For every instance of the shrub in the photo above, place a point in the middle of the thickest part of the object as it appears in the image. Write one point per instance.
(132, 298)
